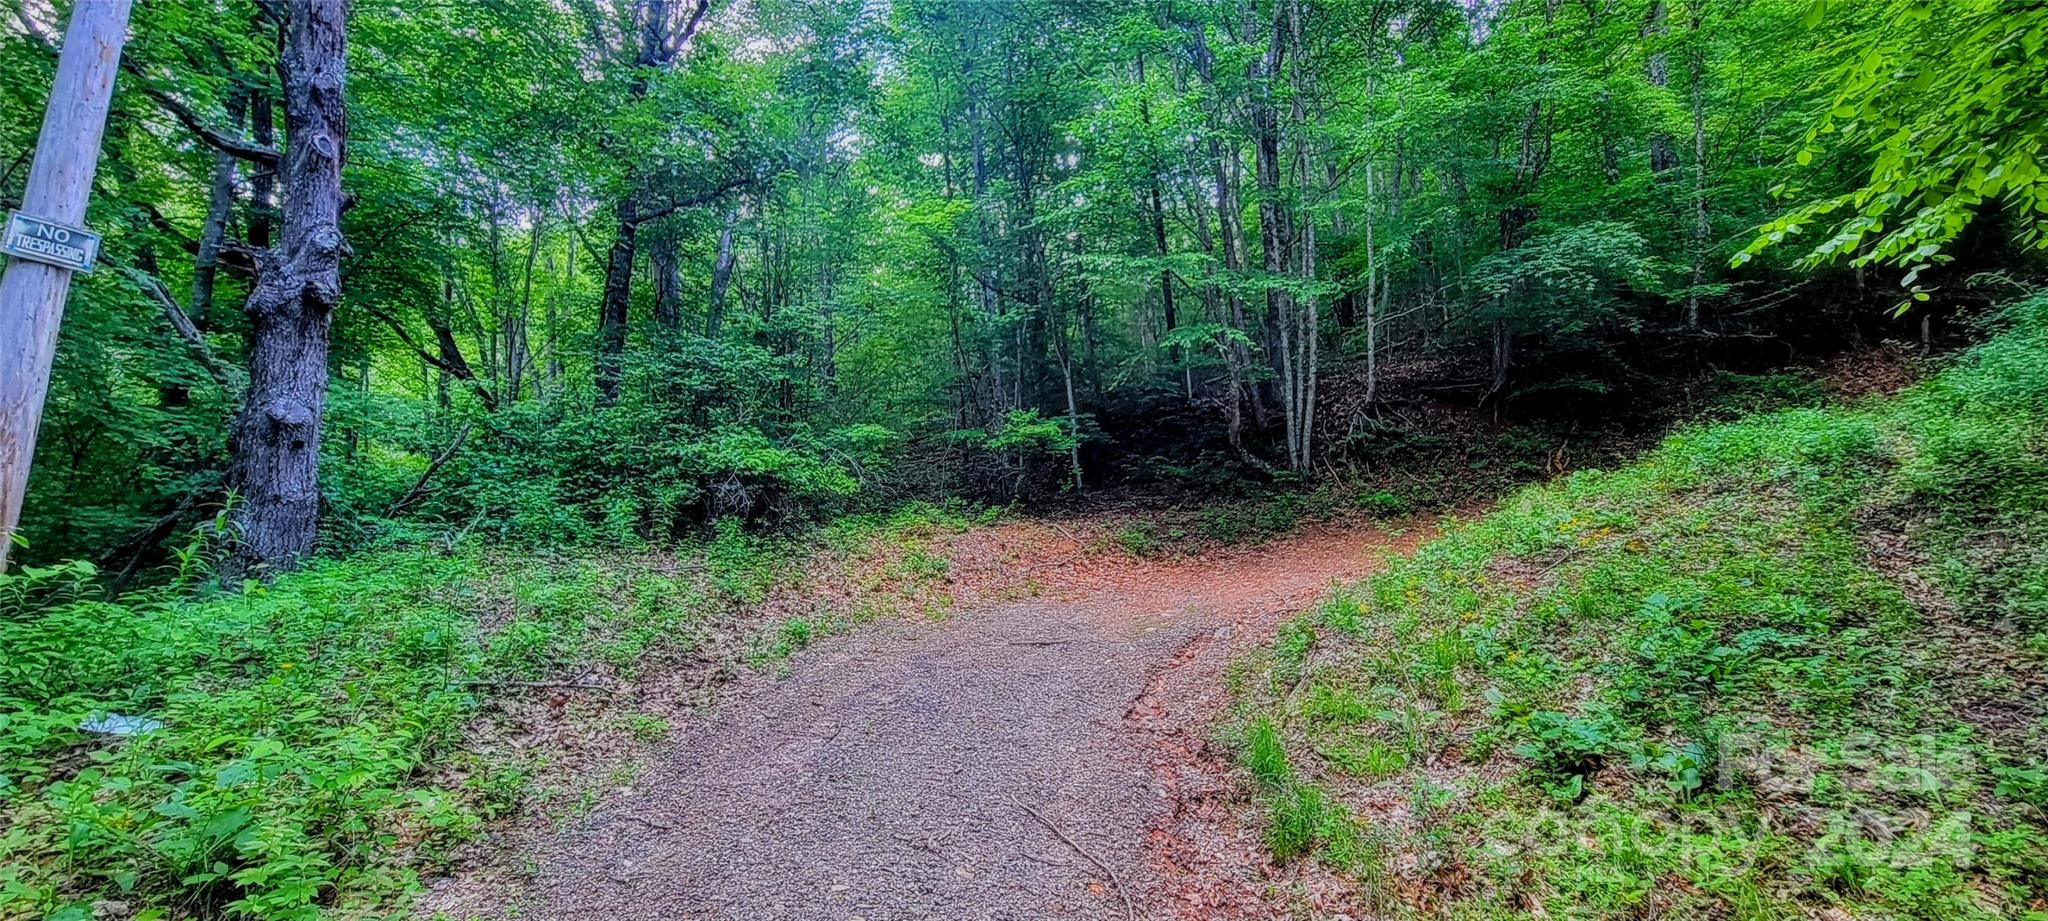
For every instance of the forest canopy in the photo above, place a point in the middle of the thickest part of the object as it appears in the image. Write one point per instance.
(613, 270)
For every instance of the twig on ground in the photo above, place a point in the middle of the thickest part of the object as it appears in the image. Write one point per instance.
(1573, 554)
(1062, 561)
(1055, 642)
(573, 685)
(1130, 907)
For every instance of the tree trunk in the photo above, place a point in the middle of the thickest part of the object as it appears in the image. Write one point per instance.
(206, 265)
(262, 178)
(1273, 223)
(1304, 312)
(828, 370)
(984, 230)
(519, 356)
(661, 40)
(1228, 169)
(1372, 317)
(1073, 411)
(1657, 70)
(1532, 159)
(1702, 228)
(276, 440)
(721, 276)
(611, 314)
(667, 270)
(1275, 220)
(1158, 217)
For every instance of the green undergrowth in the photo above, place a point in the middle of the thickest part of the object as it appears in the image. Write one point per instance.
(315, 752)
(1789, 666)
(1264, 517)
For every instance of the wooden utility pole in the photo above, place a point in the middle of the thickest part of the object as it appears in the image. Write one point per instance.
(32, 293)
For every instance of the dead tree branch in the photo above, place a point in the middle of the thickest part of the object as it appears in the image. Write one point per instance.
(419, 486)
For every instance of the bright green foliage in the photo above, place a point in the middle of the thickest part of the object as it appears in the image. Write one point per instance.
(1945, 100)
(311, 757)
(296, 719)
(1565, 283)
(1612, 690)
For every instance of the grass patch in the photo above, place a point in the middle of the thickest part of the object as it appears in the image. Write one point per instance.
(1780, 665)
(308, 756)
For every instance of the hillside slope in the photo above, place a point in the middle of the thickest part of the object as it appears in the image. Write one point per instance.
(1788, 666)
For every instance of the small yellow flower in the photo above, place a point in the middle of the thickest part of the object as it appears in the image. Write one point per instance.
(286, 666)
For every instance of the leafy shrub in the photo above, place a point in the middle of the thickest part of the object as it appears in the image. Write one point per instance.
(286, 745)
(1385, 504)
(1565, 746)
(565, 474)
(1138, 538)
(294, 719)
(1023, 454)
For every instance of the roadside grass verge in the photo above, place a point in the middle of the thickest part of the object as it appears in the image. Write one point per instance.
(312, 745)
(1787, 666)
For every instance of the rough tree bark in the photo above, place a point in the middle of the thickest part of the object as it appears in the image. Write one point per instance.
(611, 316)
(263, 176)
(276, 439)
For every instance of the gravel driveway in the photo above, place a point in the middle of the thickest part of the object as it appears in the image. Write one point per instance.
(1023, 760)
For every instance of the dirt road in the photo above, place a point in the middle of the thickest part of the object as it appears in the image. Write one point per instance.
(1026, 760)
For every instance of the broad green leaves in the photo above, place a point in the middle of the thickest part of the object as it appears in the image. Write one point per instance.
(1948, 102)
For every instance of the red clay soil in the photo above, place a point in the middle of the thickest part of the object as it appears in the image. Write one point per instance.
(1022, 759)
